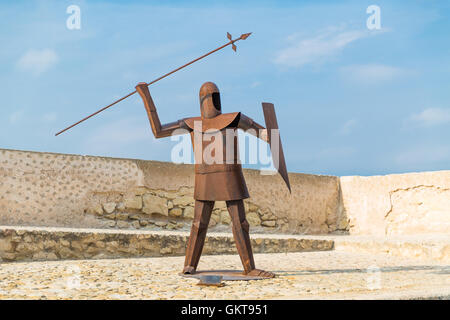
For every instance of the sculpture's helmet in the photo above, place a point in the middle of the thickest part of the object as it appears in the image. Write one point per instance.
(209, 100)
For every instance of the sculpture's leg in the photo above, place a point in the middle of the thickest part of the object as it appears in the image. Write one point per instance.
(202, 214)
(241, 233)
(242, 238)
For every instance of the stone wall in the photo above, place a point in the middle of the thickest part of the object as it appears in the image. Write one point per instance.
(58, 190)
(31, 243)
(398, 204)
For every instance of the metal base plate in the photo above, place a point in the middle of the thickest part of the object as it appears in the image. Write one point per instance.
(227, 275)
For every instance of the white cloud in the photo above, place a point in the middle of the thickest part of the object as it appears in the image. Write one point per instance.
(371, 73)
(316, 49)
(37, 61)
(347, 127)
(431, 117)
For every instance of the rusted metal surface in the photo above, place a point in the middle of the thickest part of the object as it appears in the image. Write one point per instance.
(219, 180)
(242, 37)
(209, 101)
(219, 122)
(277, 151)
(226, 275)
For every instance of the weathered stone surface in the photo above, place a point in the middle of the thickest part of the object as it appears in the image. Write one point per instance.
(121, 207)
(133, 202)
(253, 219)
(136, 224)
(176, 212)
(51, 244)
(399, 204)
(155, 204)
(143, 223)
(112, 224)
(96, 209)
(183, 201)
(109, 207)
(122, 216)
(252, 207)
(225, 217)
(188, 212)
(61, 190)
(161, 223)
(6, 245)
(45, 256)
(269, 223)
(122, 224)
(298, 277)
(220, 205)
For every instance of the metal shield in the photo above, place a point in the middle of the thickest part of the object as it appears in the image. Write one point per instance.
(276, 147)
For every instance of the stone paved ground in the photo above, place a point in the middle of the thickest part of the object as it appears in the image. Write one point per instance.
(309, 275)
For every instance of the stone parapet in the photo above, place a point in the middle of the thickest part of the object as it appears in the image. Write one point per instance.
(26, 244)
(73, 191)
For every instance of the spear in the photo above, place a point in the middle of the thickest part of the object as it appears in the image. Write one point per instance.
(233, 46)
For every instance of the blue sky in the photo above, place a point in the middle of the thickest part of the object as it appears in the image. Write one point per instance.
(350, 101)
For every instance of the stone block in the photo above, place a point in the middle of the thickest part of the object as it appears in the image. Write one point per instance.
(176, 212)
(253, 219)
(269, 223)
(188, 212)
(133, 202)
(122, 216)
(122, 224)
(96, 209)
(155, 204)
(183, 201)
(109, 207)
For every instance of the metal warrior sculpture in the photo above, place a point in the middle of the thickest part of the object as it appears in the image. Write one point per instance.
(221, 180)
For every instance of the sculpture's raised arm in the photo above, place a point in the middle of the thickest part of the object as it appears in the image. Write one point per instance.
(159, 131)
(252, 127)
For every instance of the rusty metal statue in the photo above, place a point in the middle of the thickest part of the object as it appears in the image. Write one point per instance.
(221, 180)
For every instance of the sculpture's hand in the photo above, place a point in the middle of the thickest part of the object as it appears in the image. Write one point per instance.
(142, 89)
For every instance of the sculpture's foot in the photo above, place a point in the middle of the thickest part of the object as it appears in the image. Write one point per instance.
(188, 270)
(260, 273)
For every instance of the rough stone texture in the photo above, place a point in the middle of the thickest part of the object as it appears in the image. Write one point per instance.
(58, 190)
(309, 275)
(26, 243)
(431, 247)
(155, 204)
(398, 204)
(133, 202)
(45, 189)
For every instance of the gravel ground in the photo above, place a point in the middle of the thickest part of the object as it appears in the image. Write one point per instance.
(309, 275)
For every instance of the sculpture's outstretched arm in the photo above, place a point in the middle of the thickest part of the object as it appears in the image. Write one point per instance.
(250, 126)
(159, 131)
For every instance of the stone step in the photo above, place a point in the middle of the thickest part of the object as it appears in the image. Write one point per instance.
(40, 243)
(424, 246)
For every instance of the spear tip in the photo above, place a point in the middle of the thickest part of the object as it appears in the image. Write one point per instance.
(245, 35)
